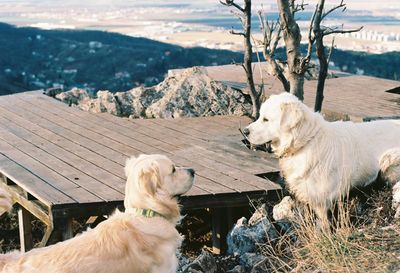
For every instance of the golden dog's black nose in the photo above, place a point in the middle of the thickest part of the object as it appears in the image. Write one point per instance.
(246, 131)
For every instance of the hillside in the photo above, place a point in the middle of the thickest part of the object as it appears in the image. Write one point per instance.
(33, 58)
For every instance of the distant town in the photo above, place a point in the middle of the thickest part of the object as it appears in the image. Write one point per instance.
(191, 25)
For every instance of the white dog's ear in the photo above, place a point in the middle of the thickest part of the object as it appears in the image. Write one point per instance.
(291, 115)
(149, 180)
(129, 164)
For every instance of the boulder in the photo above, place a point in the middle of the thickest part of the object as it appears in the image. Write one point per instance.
(73, 96)
(245, 237)
(249, 260)
(104, 102)
(237, 269)
(284, 210)
(204, 263)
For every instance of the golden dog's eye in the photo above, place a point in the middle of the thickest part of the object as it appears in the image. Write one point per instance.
(173, 169)
(265, 119)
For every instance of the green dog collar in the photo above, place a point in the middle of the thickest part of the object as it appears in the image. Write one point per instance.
(148, 213)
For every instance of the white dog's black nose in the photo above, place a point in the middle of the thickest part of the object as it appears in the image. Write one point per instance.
(246, 131)
(191, 171)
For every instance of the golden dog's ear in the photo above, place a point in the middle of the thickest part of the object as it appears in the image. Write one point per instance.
(149, 180)
(291, 115)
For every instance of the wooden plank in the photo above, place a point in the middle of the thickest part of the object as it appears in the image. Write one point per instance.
(54, 160)
(65, 144)
(111, 130)
(96, 147)
(102, 132)
(80, 130)
(113, 182)
(30, 182)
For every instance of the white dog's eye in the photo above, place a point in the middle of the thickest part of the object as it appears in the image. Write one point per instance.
(265, 119)
(173, 169)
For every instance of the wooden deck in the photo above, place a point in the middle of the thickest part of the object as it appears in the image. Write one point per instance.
(62, 163)
(350, 97)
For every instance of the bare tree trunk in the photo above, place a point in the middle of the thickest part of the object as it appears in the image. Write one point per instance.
(248, 58)
(323, 59)
(323, 73)
(248, 51)
(320, 52)
(292, 38)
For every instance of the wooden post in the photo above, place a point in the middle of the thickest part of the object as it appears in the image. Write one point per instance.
(25, 229)
(62, 231)
(220, 226)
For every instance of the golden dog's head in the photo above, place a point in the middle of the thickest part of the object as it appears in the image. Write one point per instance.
(154, 182)
(283, 123)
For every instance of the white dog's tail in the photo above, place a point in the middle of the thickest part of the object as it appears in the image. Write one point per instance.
(5, 201)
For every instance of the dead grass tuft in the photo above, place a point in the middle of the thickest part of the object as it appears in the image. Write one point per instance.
(349, 244)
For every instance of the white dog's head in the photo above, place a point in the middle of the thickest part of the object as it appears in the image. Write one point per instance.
(283, 121)
(154, 182)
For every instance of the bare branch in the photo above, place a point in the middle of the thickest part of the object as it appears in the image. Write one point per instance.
(231, 3)
(237, 33)
(331, 50)
(276, 39)
(341, 5)
(330, 31)
(314, 25)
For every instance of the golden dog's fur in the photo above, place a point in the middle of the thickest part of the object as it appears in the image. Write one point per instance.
(322, 160)
(126, 242)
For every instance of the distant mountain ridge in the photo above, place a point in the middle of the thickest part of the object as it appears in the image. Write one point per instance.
(32, 58)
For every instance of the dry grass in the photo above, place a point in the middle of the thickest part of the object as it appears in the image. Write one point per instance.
(350, 244)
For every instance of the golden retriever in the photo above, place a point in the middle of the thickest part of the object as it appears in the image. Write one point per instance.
(321, 160)
(143, 239)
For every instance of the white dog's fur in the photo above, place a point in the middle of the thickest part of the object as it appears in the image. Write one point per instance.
(126, 242)
(321, 160)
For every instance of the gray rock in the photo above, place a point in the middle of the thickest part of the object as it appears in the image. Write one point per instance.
(237, 269)
(183, 261)
(73, 96)
(104, 102)
(246, 237)
(249, 260)
(204, 263)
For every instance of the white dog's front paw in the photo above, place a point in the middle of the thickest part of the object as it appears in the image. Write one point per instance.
(396, 199)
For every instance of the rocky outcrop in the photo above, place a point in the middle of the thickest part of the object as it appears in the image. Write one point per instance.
(246, 236)
(189, 93)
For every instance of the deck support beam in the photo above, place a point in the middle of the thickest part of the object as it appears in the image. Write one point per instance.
(221, 219)
(25, 229)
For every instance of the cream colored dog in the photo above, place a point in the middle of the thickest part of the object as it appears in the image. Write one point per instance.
(321, 160)
(143, 239)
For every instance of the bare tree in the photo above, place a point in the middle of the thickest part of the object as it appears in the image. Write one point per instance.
(244, 15)
(319, 33)
(297, 64)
